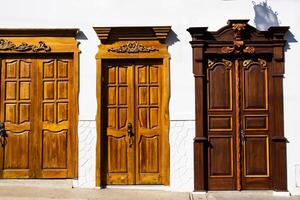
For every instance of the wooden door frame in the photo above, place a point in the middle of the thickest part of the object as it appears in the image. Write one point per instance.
(133, 43)
(43, 42)
(236, 39)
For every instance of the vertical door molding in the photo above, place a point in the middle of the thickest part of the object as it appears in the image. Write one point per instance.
(133, 45)
(53, 139)
(239, 42)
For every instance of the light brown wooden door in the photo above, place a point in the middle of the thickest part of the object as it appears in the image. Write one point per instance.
(238, 124)
(17, 102)
(36, 109)
(133, 99)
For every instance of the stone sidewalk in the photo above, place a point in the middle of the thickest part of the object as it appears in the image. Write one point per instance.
(37, 193)
(40, 193)
(244, 195)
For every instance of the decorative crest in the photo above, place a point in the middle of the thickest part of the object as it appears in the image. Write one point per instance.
(7, 45)
(133, 47)
(226, 63)
(238, 43)
(261, 62)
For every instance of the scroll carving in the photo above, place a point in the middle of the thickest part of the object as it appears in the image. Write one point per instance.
(238, 43)
(261, 62)
(226, 63)
(7, 45)
(133, 47)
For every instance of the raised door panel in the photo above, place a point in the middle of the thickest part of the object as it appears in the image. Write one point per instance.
(255, 125)
(148, 138)
(220, 125)
(119, 98)
(55, 136)
(17, 114)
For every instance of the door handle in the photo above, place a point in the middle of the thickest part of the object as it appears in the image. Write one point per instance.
(3, 134)
(243, 136)
(130, 133)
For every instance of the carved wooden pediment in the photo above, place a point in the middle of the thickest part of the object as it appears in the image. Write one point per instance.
(237, 37)
(7, 45)
(133, 47)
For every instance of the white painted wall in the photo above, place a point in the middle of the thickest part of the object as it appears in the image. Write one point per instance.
(180, 15)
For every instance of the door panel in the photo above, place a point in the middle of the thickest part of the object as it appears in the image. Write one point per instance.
(54, 134)
(220, 125)
(120, 113)
(255, 125)
(133, 96)
(238, 150)
(148, 138)
(255, 85)
(16, 112)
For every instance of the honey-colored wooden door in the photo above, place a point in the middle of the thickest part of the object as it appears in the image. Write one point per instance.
(17, 157)
(36, 99)
(238, 124)
(55, 134)
(133, 100)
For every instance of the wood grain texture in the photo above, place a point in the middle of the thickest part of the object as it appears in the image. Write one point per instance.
(132, 87)
(39, 98)
(255, 91)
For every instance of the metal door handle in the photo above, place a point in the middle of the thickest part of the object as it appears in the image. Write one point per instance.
(130, 133)
(3, 134)
(243, 136)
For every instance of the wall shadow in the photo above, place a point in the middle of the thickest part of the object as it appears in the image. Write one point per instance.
(172, 38)
(81, 36)
(265, 17)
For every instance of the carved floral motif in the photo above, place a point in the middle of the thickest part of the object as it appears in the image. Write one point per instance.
(249, 62)
(238, 43)
(6, 45)
(133, 47)
(226, 63)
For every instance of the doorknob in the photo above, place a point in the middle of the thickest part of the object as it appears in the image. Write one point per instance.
(3, 134)
(130, 133)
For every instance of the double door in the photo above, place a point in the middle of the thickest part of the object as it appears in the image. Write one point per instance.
(133, 139)
(36, 112)
(238, 124)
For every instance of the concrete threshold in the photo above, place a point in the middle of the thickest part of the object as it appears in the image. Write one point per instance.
(38, 183)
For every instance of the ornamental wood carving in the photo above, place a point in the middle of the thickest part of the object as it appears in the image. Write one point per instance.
(239, 136)
(133, 47)
(7, 45)
(238, 43)
(261, 62)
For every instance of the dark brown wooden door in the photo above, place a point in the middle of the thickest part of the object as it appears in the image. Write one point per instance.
(254, 124)
(237, 124)
(132, 95)
(35, 107)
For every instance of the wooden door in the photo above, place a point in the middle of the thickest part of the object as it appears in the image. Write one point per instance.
(36, 99)
(237, 124)
(17, 112)
(255, 128)
(133, 97)
(55, 132)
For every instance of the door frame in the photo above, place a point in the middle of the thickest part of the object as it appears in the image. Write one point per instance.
(38, 43)
(125, 43)
(237, 39)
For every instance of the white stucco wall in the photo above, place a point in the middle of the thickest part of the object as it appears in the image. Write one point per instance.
(180, 15)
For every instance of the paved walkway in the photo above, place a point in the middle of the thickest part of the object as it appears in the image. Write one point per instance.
(244, 195)
(34, 193)
(28, 193)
